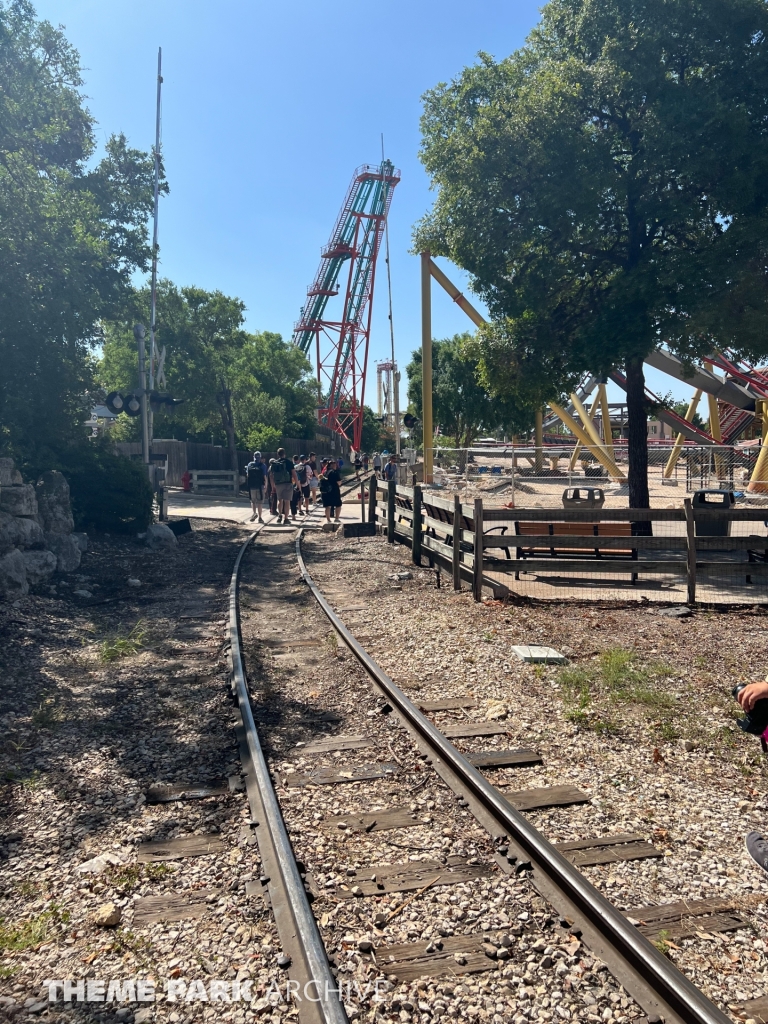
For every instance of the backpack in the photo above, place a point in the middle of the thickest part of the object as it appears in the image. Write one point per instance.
(325, 485)
(255, 472)
(301, 473)
(280, 474)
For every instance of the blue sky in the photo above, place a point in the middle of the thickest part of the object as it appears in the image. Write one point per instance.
(267, 111)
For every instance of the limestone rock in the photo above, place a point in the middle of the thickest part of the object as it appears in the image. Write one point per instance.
(9, 475)
(16, 532)
(13, 575)
(107, 916)
(53, 502)
(18, 500)
(38, 565)
(160, 536)
(66, 549)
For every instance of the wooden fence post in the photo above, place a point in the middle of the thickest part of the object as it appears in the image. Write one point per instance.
(457, 526)
(477, 571)
(391, 491)
(362, 501)
(373, 493)
(416, 526)
(690, 530)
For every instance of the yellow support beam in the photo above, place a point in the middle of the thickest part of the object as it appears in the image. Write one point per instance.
(714, 425)
(605, 411)
(476, 317)
(602, 457)
(577, 449)
(674, 455)
(426, 366)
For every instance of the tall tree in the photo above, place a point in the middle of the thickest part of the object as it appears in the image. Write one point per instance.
(461, 406)
(607, 188)
(239, 385)
(72, 232)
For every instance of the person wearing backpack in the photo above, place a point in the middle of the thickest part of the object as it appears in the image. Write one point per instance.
(283, 478)
(303, 473)
(257, 479)
(330, 492)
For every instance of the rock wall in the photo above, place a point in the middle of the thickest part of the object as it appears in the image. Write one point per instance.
(36, 530)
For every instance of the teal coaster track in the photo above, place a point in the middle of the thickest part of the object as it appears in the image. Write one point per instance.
(349, 260)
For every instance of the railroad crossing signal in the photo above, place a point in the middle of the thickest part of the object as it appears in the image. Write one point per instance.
(130, 403)
(410, 421)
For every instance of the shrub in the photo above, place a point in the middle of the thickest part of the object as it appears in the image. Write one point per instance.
(109, 492)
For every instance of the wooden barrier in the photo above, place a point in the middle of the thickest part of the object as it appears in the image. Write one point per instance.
(215, 481)
(612, 541)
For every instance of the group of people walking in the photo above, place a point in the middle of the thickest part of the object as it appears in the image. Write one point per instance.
(290, 486)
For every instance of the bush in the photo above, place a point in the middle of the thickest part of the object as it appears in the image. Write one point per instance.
(262, 439)
(109, 492)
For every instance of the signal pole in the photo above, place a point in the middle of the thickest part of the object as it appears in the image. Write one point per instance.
(139, 334)
(153, 289)
(395, 371)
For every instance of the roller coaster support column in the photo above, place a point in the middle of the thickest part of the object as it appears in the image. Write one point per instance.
(581, 435)
(426, 363)
(714, 426)
(605, 413)
(577, 449)
(690, 412)
(758, 482)
(539, 440)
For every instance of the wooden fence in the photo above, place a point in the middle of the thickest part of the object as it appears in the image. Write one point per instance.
(681, 542)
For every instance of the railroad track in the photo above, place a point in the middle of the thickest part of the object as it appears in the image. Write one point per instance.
(329, 774)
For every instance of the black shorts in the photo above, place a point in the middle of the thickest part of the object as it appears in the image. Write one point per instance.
(305, 491)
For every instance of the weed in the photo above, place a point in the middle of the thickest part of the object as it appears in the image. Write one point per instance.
(126, 878)
(26, 934)
(123, 646)
(333, 642)
(47, 714)
(33, 781)
(28, 888)
(7, 972)
(667, 731)
(662, 942)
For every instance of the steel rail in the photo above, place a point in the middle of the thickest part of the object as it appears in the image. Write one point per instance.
(316, 967)
(653, 981)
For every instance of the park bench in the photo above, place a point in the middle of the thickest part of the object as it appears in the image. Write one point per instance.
(562, 531)
(442, 515)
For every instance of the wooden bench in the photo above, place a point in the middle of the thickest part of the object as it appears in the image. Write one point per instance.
(442, 515)
(563, 530)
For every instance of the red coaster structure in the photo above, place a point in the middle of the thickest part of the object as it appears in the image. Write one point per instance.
(341, 346)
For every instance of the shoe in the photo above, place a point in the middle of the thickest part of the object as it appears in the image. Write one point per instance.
(279, 520)
(253, 517)
(337, 520)
(757, 848)
(261, 520)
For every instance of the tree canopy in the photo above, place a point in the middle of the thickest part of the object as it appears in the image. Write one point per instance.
(606, 187)
(72, 232)
(249, 388)
(461, 406)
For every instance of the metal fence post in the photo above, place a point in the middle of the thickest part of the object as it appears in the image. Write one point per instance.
(477, 570)
(416, 526)
(690, 531)
(391, 491)
(457, 525)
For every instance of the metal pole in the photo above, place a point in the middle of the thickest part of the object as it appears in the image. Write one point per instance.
(139, 334)
(426, 363)
(153, 288)
(395, 374)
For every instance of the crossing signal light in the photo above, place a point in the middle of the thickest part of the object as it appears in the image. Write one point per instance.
(410, 421)
(130, 404)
